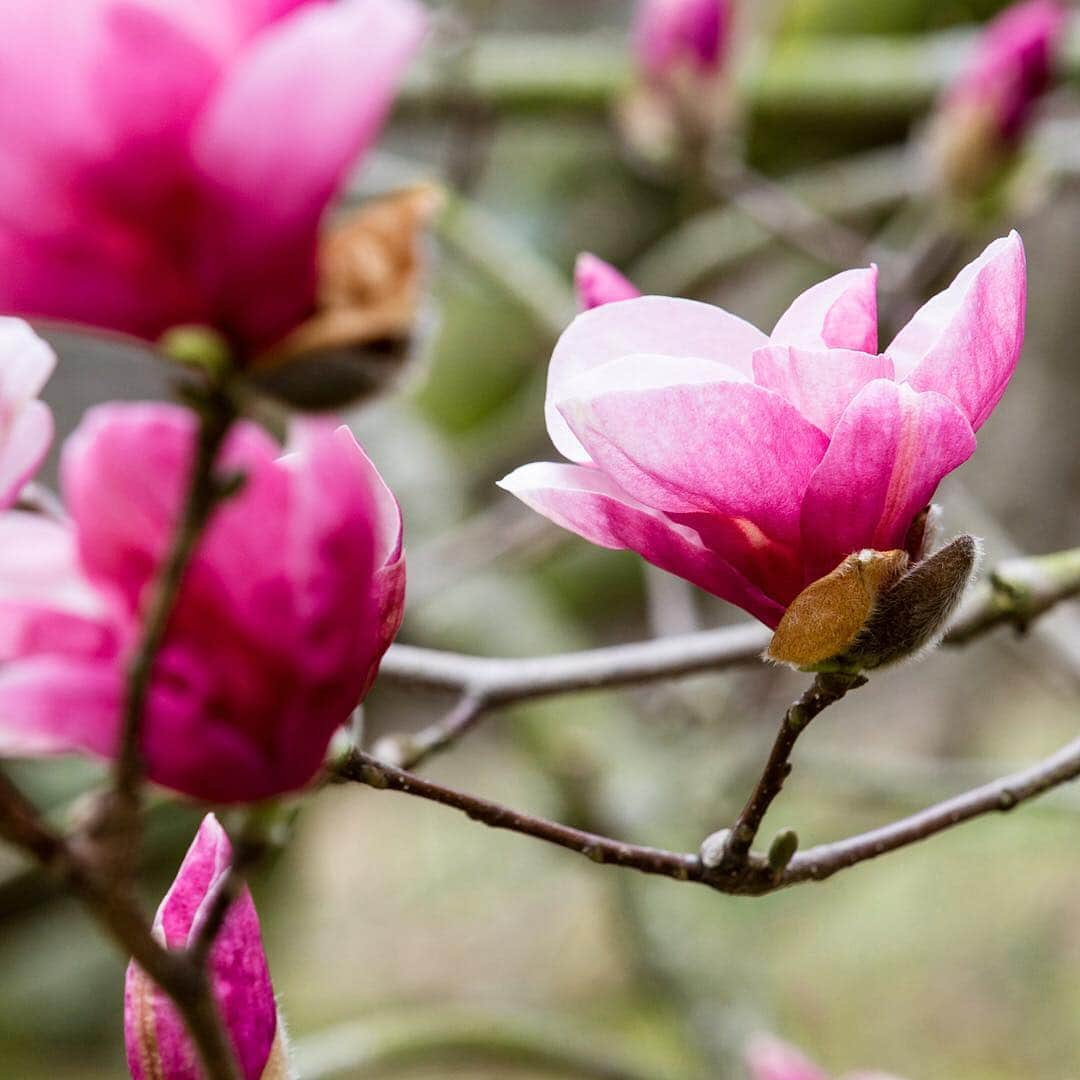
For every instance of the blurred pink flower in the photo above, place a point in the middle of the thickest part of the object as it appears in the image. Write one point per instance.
(157, 1041)
(292, 597)
(597, 282)
(753, 465)
(1011, 66)
(168, 161)
(26, 424)
(770, 1059)
(671, 36)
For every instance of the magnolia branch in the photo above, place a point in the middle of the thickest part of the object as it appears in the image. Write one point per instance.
(1016, 592)
(757, 876)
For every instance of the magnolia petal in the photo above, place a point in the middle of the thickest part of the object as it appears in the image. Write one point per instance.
(888, 453)
(726, 448)
(23, 448)
(838, 313)
(656, 325)
(819, 384)
(597, 282)
(59, 705)
(28, 363)
(964, 343)
(588, 503)
(327, 74)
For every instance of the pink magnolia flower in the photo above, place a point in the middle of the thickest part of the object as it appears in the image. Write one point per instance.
(26, 424)
(1011, 66)
(770, 1059)
(597, 282)
(681, 35)
(753, 465)
(292, 597)
(157, 1041)
(168, 161)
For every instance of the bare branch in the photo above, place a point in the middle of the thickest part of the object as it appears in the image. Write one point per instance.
(1015, 593)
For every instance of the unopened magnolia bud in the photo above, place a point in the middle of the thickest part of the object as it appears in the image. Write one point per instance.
(986, 112)
(597, 282)
(158, 1044)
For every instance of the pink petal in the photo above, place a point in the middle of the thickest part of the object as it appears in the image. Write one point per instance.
(726, 448)
(770, 1059)
(648, 325)
(28, 361)
(819, 384)
(597, 282)
(59, 705)
(965, 342)
(327, 75)
(838, 313)
(888, 453)
(587, 502)
(23, 448)
(238, 969)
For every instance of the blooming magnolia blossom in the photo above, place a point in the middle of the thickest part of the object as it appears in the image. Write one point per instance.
(26, 424)
(753, 465)
(597, 282)
(157, 1042)
(168, 161)
(293, 595)
(672, 36)
(770, 1059)
(1011, 66)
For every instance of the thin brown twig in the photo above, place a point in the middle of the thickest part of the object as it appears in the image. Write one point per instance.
(120, 816)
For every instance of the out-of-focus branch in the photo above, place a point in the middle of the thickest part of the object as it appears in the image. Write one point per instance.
(1016, 593)
(817, 76)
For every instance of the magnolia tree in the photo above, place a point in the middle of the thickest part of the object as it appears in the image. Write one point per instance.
(205, 607)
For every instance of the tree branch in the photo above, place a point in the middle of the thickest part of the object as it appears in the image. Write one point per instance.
(118, 824)
(1015, 593)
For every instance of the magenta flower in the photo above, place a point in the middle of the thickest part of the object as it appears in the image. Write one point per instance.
(26, 424)
(673, 36)
(770, 1059)
(294, 594)
(168, 161)
(597, 282)
(1011, 67)
(158, 1045)
(753, 465)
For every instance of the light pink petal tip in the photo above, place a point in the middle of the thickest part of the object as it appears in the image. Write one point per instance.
(768, 1058)
(965, 342)
(657, 325)
(588, 503)
(838, 313)
(597, 282)
(888, 453)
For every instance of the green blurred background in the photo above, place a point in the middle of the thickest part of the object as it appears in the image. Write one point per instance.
(406, 940)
